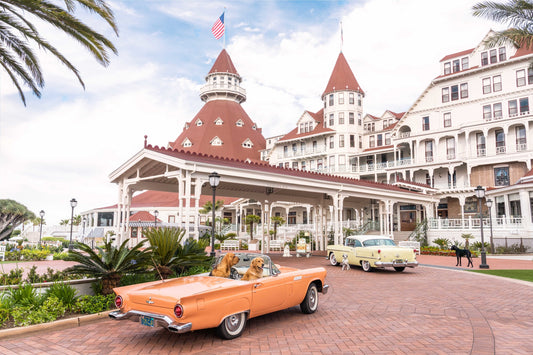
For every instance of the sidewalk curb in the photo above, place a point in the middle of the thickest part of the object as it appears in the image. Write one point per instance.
(58, 324)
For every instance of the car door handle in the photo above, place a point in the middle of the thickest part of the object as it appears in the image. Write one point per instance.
(258, 285)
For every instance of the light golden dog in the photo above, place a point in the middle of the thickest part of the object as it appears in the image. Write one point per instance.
(223, 269)
(255, 271)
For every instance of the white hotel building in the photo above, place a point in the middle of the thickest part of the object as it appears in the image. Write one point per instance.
(472, 126)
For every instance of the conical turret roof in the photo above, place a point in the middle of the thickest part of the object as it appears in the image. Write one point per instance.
(342, 78)
(223, 64)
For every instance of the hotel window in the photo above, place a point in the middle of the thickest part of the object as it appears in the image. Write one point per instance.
(387, 139)
(514, 205)
(359, 102)
(500, 141)
(447, 119)
(331, 120)
(301, 128)
(372, 127)
(456, 66)
(332, 142)
(465, 63)
(513, 108)
(520, 132)
(425, 123)
(302, 147)
(371, 141)
(315, 146)
(219, 121)
(341, 141)
(239, 123)
(341, 117)
(286, 165)
(365, 127)
(385, 124)
(464, 91)
(520, 77)
(445, 94)
(359, 120)
(295, 165)
(486, 86)
(450, 148)
(294, 149)
(429, 180)
(524, 106)
(171, 219)
(351, 119)
(452, 184)
(360, 142)
(497, 83)
(455, 92)
(429, 151)
(331, 100)
(502, 54)
(285, 151)
(352, 141)
(380, 140)
(351, 99)
(530, 76)
(480, 145)
(447, 68)
(493, 56)
(484, 58)
(497, 110)
(341, 98)
(303, 164)
(199, 122)
(487, 112)
(319, 164)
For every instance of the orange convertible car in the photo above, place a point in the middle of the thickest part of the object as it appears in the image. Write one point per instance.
(202, 301)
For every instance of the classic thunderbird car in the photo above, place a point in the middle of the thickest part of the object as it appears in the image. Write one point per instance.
(372, 251)
(201, 301)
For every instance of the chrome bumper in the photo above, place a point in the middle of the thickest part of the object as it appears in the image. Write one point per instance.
(395, 264)
(160, 320)
(325, 289)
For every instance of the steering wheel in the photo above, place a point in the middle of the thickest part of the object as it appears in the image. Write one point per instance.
(234, 274)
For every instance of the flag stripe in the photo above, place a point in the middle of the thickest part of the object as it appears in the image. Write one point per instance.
(218, 27)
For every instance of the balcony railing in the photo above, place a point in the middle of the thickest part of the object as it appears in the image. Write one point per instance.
(520, 147)
(473, 223)
(481, 152)
(404, 135)
(500, 150)
(302, 153)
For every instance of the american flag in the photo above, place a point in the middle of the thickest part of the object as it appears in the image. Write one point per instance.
(218, 27)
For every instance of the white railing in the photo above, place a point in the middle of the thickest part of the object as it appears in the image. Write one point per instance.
(301, 153)
(404, 135)
(481, 152)
(500, 150)
(226, 87)
(450, 156)
(474, 223)
(520, 147)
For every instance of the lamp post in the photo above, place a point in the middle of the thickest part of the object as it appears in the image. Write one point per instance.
(73, 203)
(480, 193)
(214, 180)
(489, 205)
(156, 213)
(41, 226)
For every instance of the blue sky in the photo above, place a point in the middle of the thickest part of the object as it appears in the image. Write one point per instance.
(65, 144)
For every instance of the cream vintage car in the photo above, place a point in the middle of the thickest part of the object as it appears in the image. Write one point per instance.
(201, 301)
(372, 251)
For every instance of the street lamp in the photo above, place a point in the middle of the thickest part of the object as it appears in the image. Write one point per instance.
(156, 213)
(214, 180)
(489, 205)
(41, 226)
(480, 193)
(73, 203)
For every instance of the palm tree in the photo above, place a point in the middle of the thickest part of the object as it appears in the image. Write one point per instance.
(251, 219)
(518, 14)
(109, 264)
(278, 221)
(18, 35)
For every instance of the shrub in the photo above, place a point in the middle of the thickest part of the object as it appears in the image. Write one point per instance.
(94, 304)
(24, 295)
(14, 277)
(60, 256)
(51, 309)
(64, 293)
(442, 242)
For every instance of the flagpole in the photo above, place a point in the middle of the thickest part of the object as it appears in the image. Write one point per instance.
(224, 27)
(342, 39)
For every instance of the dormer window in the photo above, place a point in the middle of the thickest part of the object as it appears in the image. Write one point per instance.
(494, 56)
(187, 126)
(199, 122)
(247, 144)
(254, 127)
(216, 141)
(239, 123)
(186, 143)
(219, 121)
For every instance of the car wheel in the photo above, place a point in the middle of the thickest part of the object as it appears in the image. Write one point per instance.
(333, 260)
(365, 264)
(310, 302)
(399, 268)
(232, 326)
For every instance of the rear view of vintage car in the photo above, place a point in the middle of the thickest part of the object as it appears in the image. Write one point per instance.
(372, 251)
(202, 301)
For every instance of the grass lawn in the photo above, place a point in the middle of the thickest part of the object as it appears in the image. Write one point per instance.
(524, 275)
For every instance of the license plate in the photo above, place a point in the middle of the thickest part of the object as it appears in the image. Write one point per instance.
(148, 321)
(398, 261)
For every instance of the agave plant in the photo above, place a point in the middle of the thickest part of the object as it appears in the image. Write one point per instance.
(110, 263)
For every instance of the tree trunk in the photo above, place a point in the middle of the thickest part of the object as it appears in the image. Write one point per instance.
(109, 283)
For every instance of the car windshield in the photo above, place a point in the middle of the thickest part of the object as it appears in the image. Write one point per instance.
(246, 258)
(374, 242)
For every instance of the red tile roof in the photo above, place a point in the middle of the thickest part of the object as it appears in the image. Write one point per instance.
(342, 78)
(228, 132)
(223, 64)
(260, 166)
(522, 51)
(143, 216)
(319, 128)
(459, 54)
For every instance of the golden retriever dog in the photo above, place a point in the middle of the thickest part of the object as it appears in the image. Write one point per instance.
(255, 271)
(223, 269)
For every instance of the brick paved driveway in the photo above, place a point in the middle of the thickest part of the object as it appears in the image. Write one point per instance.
(422, 311)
